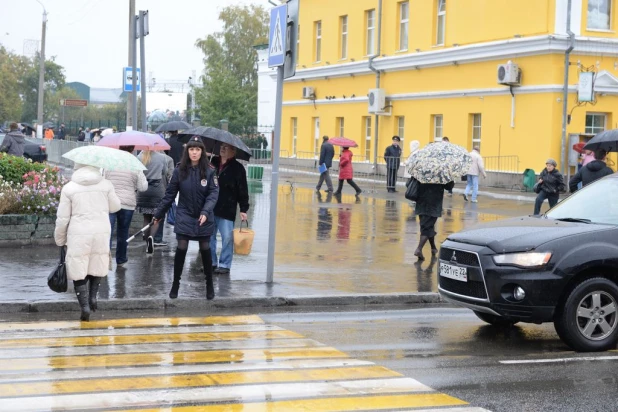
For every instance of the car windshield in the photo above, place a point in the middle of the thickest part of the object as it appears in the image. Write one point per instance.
(596, 203)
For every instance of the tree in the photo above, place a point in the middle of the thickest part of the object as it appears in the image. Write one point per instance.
(230, 76)
(54, 80)
(12, 73)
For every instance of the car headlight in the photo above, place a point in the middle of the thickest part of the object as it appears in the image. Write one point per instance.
(527, 260)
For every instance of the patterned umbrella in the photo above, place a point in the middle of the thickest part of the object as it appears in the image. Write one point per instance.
(105, 158)
(439, 163)
(343, 142)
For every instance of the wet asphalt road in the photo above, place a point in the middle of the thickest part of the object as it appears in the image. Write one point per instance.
(453, 352)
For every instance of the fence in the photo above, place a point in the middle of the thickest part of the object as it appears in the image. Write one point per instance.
(505, 164)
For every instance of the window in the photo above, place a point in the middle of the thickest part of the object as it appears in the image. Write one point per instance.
(401, 121)
(318, 41)
(316, 135)
(437, 127)
(294, 134)
(367, 131)
(441, 26)
(340, 127)
(599, 15)
(476, 130)
(370, 16)
(404, 20)
(595, 123)
(343, 23)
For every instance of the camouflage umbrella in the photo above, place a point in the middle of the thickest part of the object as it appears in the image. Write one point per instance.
(439, 163)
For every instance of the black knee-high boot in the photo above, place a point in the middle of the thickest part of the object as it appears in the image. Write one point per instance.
(179, 263)
(93, 286)
(434, 249)
(81, 290)
(207, 262)
(419, 250)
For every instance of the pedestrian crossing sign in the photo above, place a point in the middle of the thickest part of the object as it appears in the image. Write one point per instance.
(277, 36)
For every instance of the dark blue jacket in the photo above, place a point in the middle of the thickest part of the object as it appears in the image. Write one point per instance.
(327, 152)
(195, 199)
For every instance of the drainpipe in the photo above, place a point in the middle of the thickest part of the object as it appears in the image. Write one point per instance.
(565, 92)
(377, 72)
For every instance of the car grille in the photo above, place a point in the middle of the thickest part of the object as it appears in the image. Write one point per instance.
(463, 258)
(472, 288)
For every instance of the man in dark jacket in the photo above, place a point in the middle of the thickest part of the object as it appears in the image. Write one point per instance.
(14, 142)
(233, 191)
(392, 155)
(176, 147)
(62, 132)
(591, 172)
(327, 152)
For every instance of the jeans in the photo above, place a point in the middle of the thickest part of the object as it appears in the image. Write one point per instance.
(473, 184)
(158, 236)
(552, 198)
(226, 228)
(325, 177)
(123, 217)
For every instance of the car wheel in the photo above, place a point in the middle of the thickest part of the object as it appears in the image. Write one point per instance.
(494, 320)
(588, 322)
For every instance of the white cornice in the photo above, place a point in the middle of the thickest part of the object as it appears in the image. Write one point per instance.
(497, 50)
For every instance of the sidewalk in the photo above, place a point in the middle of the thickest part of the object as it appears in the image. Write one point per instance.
(355, 252)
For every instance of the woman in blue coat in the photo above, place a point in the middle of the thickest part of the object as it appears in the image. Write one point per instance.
(196, 182)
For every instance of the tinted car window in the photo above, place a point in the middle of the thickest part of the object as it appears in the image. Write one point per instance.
(597, 203)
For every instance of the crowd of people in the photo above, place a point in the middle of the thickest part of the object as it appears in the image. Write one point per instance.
(208, 189)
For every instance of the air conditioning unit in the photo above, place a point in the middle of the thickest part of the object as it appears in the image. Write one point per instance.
(377, 100)
(308, 93)
(509, 74)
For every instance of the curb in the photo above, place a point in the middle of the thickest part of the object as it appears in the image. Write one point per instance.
(306, 301)
(501, 196)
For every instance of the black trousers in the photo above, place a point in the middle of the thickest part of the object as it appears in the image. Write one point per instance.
(391, 178)
(351, 183)
(552, 198)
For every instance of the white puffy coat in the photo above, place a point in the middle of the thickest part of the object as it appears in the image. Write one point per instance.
(82, 222)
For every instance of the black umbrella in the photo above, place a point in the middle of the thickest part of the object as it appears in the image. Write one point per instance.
(48, 125)
(173, 126)
(607, 140)
(213, 138)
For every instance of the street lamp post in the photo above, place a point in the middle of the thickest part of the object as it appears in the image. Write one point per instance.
(39, 127)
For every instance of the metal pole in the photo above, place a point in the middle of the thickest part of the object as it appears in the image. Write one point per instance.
(134, 75)
(377, 117)
(130, 62)
(274, 189)
(40, 120)
(142, 65)
(565, 92)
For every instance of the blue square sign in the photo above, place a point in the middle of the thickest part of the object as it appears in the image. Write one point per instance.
(277, 37)
(128, 79)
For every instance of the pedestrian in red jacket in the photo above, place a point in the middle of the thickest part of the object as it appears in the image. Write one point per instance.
(346, 172)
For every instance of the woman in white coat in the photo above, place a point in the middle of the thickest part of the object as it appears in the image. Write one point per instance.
(414, 147)
(82, 225)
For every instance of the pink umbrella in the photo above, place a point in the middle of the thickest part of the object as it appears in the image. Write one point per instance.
(342, 141)
(141, 140)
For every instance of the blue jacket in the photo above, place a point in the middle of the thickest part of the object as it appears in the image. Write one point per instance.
(197, 197)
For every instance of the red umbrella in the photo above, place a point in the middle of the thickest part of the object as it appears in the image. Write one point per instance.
(343, 141)
(579, 147)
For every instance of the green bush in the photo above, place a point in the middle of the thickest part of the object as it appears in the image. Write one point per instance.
(13, 168)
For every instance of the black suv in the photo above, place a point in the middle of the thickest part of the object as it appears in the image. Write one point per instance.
(561, 267)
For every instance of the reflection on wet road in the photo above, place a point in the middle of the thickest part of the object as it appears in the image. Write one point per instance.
(235, 363)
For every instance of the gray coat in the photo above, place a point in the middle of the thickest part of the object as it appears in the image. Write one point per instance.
(158, 174)
(14, 143)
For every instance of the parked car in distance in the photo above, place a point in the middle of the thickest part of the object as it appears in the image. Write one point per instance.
(561, 267)
(35, 149)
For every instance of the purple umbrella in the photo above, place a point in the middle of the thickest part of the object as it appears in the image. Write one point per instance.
(141, 141)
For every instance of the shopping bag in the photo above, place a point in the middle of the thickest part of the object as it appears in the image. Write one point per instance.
(412, 190)
(57, 279)
(243, 240)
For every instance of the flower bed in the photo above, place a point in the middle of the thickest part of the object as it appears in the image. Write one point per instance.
(29, 198)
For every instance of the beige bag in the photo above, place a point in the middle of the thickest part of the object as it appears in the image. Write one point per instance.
(243, 240)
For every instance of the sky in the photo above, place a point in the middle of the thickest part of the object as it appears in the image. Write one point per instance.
(89, 38)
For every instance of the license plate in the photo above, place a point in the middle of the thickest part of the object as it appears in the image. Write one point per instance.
(454, 272)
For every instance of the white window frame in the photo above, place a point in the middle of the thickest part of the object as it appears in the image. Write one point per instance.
(343, 22)
(367, 137)
(316, 135)
(318, 41)
(595, 129)
(438, 127)
(404, 25)
(593, 15)
(370, 32)
(477, 128)
(401, 126)
(441, 23)
(294, 135)
(341, 126)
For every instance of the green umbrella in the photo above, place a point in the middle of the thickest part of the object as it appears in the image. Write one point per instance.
(105, 158)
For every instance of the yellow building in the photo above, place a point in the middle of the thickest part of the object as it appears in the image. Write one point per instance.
(437, 63)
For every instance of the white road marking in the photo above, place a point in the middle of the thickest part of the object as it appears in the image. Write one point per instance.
(560, 360)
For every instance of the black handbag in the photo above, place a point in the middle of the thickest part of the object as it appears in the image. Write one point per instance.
(537, 187)
(413, 189)
(57, 279)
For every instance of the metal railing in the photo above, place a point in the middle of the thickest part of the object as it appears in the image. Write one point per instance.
(505, 164)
